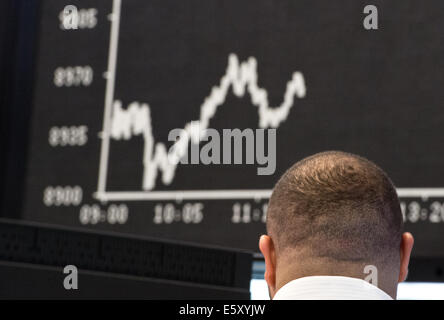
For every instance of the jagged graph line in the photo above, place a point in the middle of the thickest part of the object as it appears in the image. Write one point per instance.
(241, 77)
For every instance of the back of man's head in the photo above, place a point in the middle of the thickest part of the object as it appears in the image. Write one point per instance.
(332, 214)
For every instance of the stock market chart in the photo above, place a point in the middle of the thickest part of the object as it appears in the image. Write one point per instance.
(107, 93)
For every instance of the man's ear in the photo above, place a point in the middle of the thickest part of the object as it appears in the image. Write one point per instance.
(267, 248)
(406, 250)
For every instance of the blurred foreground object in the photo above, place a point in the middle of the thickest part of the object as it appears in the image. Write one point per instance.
(32, 258)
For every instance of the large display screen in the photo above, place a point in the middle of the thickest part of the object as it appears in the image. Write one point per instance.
(114, 78)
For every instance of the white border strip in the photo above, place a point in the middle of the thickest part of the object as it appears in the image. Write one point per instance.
(182, 195)
(232, 194)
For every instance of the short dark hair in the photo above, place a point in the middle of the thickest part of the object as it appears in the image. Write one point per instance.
(340, 206)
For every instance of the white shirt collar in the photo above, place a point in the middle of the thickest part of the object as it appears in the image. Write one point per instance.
(330, 288)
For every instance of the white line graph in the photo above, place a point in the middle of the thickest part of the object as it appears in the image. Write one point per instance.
(242, 79)
(120, 123)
